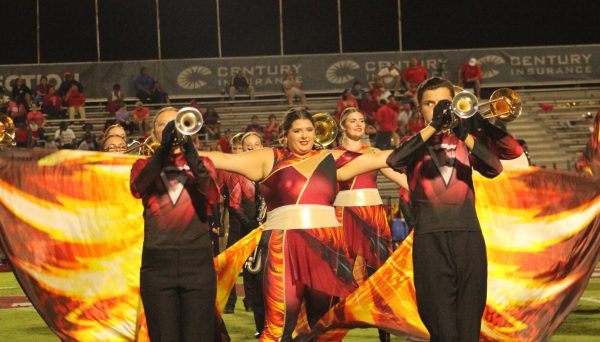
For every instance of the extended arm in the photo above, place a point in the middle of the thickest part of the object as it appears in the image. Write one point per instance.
(396, 177)
(254, 165)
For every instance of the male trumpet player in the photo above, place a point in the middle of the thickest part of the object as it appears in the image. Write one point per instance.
(177, 277)
(449, 256)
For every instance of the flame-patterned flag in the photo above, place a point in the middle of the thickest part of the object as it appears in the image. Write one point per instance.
(542, 234)
(74, 233)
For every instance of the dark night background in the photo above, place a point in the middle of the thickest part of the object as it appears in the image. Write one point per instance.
(189, 28)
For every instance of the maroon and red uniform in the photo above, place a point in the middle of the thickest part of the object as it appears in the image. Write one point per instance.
(366, 229)
(449, 256)
(306, 256)
(177, 277)
(241, 197)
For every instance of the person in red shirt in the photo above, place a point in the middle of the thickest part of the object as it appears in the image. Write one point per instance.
(414, 75)
(386, 118)
(41, 89)
(470, 75)
(23, 137)
(52, 104)
(223, 142)
(36, 115)
(75, 102)
(346, 101)
(140, 115)
(16, 109)
(271, 131)
(414, 124)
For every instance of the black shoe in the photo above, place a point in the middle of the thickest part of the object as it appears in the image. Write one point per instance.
(257, 335)
(228, 311)
(248, 308)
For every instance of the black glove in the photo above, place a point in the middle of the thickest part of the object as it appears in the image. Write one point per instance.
(460, 130)
(441, 114)
(193, 160)
(168, 135)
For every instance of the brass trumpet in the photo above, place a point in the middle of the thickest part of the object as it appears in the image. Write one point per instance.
(187, 122)
(7, 131)
(326, 129)
(504, 104)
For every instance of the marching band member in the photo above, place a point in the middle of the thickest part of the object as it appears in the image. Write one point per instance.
(177, 277)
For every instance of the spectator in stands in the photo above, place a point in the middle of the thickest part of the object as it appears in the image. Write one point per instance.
(37, 133)
(291, 86)
(28, 101)
(88, 128)
(48, 142)
(346, 100)
(254, 126)
(68, 83)
(470, 75)
(414, 75)
(75, 101)
(140, 115)
(64, 136)
(41, 89)
(403, 116)
(358, 92)
(212, 123)
(271, 131)
(144, 86)
(88, 143)
(223, 143)
(389, 77)
(415, 123)
(52, 105)
(386, 119)
(17, 110)
(36, 116)
(159, 95)
(378, 90)
(369, 106)
(23, 136)
(122, 118)
(114, 98)
(4, 100)
(239, 83)
(20, 89)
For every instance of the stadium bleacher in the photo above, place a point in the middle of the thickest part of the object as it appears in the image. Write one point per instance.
(555, 137)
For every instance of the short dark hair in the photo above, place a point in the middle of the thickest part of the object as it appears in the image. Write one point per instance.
(433, 83)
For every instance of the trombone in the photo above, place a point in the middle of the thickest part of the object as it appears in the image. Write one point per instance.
(146, 148)
(504, 104)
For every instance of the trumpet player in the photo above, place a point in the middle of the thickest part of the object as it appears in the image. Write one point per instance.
(177, 276)
(449, 255)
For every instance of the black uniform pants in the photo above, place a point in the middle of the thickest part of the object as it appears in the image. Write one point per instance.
(450, 273)
(178, 288)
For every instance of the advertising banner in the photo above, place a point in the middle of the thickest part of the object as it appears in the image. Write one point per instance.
(524, 66)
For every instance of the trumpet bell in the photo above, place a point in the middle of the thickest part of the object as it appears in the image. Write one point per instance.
(465, 104)
(505, 104)
(7, 131)
(188, 121)
(326, 128)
